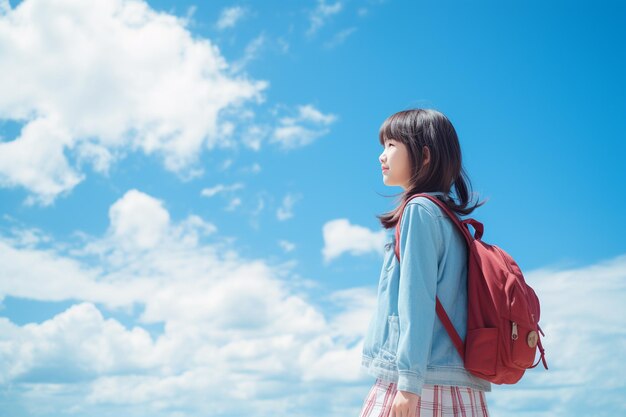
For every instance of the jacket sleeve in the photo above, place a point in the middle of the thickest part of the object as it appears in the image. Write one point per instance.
(420, 239)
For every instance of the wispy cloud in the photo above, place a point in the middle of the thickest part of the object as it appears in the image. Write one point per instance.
(230, 16)
(286, 245)
(339, 38)
(365, 10)
(255, 168)
(220, 188)
(340, 236)
(226, 164)
(251, 52)
(285, 211)
(302, 130)
(24, 236)
(85, 92)
(321, 14)
(233, 204)
(254, 135)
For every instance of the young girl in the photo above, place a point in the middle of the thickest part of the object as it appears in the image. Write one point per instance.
(418, 371)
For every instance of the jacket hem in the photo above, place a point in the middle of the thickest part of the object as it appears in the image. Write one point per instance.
(413, 382)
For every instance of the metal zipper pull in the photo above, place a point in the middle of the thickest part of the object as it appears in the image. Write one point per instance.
(514, 332)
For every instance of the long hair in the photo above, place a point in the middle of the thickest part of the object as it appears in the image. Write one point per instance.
(417, 128)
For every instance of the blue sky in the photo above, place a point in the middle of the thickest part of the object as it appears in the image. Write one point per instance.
(188, 195)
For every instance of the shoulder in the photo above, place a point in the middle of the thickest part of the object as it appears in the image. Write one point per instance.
(420, 225)
(419, 213)
(423, 204)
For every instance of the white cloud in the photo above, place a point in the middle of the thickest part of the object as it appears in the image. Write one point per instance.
(254, 135)
(321, 14)
(25, 236)
(139, 220)
(285, 211)
(251, 52)
(221, 188)
(93, 81)
(292, 132)
(340, 236)
(36, 159)
(190, 230)
(230, 16)
(310, 113)
(234, 203)
(233, 328)
(76, 344)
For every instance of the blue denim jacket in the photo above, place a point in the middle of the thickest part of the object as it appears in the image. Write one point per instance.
(406, 343)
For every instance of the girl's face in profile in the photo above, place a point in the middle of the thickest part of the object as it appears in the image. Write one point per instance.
(395, 158)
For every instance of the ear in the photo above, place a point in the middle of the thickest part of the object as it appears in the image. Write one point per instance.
(426, 155)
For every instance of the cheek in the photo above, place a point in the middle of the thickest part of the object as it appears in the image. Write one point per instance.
(404, 165)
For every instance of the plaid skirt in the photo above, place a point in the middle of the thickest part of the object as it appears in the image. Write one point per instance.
(435, 401)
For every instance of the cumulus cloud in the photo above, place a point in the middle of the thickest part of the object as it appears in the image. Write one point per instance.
(303, 129)
(340, 236)
(138, 220)
(75, 345)
(233, 328)
(92, 81)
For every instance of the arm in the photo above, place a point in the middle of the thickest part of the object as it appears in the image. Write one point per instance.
(419, 243)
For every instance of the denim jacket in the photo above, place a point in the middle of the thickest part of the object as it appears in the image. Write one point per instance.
(406, 343)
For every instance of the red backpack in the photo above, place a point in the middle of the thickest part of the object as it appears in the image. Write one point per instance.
(502, 310)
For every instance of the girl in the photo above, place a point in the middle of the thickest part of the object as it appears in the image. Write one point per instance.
(418, 371)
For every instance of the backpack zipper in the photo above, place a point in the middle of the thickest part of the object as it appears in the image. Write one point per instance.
(514, 331)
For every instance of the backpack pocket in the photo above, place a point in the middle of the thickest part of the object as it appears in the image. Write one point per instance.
(481, 350)
(522, 330)
(523, 344)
